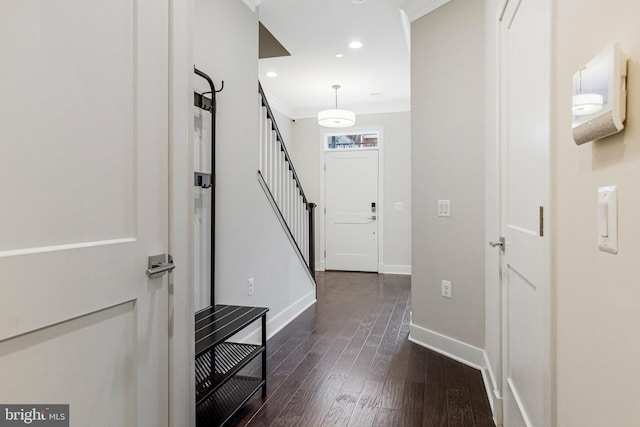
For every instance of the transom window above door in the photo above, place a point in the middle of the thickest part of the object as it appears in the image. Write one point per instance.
(351, 141)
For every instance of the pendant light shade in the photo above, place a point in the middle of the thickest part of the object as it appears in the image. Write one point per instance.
(336, 118)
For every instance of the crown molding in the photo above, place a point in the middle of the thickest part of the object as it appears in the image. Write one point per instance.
(277, 104)
(252, 4)
(416, 9)
(383, 108)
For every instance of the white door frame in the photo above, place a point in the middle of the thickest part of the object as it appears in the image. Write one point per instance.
(493, 215)
(320, 264)
(181, 287)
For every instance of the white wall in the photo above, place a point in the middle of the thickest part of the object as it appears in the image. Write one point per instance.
(598, 294)
(250, 241)
(447, 162)
(308, 157)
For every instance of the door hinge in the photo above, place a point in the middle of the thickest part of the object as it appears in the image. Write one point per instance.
(325, 211)
(325, 167)
(541, 221)
(325, 254)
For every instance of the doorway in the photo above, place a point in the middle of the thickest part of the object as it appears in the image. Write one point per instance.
(524, 34)
(353, 222)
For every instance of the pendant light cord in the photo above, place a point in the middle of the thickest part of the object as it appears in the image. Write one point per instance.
(336, 87)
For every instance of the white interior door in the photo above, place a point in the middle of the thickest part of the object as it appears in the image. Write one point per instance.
(351, 200)
(83, 170)
(525, 67)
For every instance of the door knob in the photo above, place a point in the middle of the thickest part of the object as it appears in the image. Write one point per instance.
(158, 264)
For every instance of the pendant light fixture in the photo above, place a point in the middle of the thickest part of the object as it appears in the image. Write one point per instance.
(336, 118)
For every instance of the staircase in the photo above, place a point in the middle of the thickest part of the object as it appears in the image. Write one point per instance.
(283, 189)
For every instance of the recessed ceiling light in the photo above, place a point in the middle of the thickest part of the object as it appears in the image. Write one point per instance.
(355, 45)
(358, 1)
(339, 55)
(272, 74)
(376, 94)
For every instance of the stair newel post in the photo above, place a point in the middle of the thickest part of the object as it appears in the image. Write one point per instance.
(312, 240)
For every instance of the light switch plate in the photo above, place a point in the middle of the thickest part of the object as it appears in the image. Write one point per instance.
(608, 219)
(444, 208)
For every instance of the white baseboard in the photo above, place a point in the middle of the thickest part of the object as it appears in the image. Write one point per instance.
(277, 322)
(396, 269)
(382, 268)
(464, 353)
(493, 391)
(450, 347)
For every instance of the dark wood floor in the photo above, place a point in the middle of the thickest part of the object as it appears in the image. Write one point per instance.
(346, 361)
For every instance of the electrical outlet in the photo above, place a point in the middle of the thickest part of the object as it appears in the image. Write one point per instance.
(446, 289)
(251, 286)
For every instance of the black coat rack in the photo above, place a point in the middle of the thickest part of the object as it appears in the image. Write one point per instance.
(205, 180)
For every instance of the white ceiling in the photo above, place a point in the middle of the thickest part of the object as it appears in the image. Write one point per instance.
(374, 78)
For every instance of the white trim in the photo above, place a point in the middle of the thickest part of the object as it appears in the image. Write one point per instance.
(381, 203)
(396, 269)
(279, 105)
(464, 353)
(252, 4)
(492, 388)
(320, 265)
(181, 284)
(416, 9)
(66, 247)
(321, 209)
(447, 346)
(392, 107)
(276, 323)
(519, 403)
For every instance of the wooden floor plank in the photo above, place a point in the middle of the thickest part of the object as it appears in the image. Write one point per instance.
(459, 410)
(364, 413)
(341, 409)
(435, 396)
(392, 394)
(382, 359)
(412, 404)
(482, 416)
(388, 418)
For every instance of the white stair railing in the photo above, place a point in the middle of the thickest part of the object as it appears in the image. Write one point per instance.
(282, 186)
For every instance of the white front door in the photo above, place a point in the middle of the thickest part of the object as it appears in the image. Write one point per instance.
(351, 200)
(83, 173)
(525, 118)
